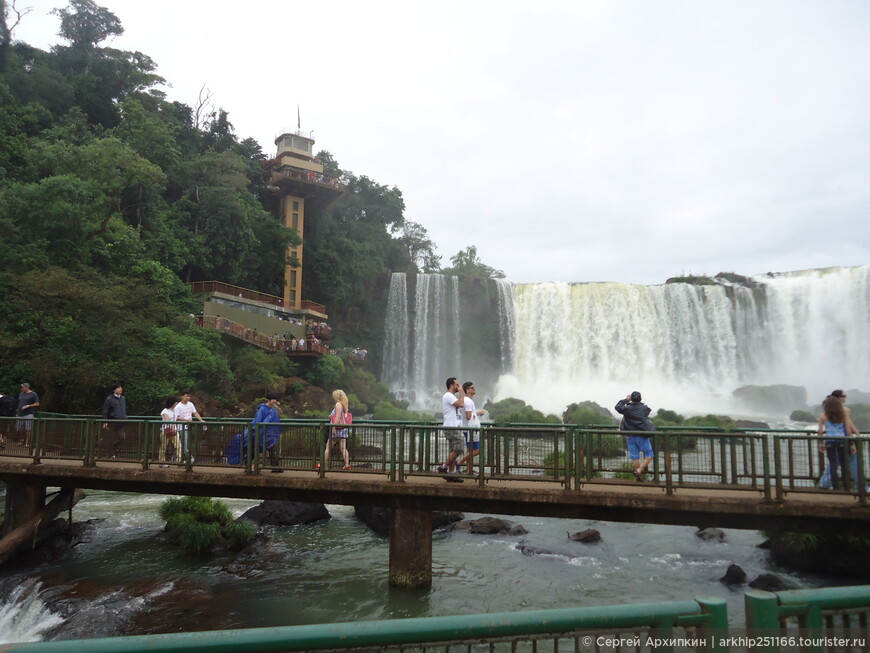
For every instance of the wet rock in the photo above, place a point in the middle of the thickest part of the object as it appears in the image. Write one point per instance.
(285, 513)
(734, 575)
(445, 518)
(766, 545)
(769, 583)
(711, 534)
(490, 526)
(589, 536)
(378, 519)
(529, 550)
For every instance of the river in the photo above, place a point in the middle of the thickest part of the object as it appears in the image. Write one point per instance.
(124, 578)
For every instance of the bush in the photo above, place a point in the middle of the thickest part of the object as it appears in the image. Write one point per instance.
(668, 418)
(238, 534)
(802, 416)
(516, 411)
(388, 411)
(197, 523)
(587, 412)
(716, 421)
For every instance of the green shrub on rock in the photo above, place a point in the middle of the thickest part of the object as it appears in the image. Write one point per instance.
(197, 524)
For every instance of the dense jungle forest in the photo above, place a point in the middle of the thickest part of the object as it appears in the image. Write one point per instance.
(112, 197)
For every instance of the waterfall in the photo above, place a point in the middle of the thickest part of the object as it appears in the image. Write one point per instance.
(439, 326)
(685, 346)
(397, 337)
(23, 615)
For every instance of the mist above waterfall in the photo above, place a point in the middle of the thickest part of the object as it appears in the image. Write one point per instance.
(686, 347)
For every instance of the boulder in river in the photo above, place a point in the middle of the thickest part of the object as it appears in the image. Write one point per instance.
(285, 513)
(490, 526)
(734, 575)
(711, 534)
(589, 536)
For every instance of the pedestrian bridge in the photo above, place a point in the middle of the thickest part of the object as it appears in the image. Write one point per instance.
(756, 479)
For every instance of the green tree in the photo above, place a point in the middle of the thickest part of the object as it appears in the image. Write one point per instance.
(421, 248)
(467, 263)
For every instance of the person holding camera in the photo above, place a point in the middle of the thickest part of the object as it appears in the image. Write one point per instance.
(635, 418)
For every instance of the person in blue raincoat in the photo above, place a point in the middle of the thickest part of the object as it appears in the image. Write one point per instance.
(269, 436)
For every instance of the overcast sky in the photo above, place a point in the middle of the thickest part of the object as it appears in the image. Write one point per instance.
(622, 141)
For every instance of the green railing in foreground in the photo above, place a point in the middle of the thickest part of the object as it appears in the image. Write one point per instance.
(808, 617)
(538, 630)
(775, 621)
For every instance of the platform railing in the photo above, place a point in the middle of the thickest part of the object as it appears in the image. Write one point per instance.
(772, 463)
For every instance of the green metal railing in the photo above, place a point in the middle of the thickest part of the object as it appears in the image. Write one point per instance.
(769, 462)
(830, 618)
(810, 620)
(567, 629)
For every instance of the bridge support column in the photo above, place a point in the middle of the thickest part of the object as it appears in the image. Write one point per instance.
(23, 501)
(410, 548)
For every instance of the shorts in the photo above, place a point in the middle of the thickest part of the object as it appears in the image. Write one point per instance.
(24, 423)
(454, 442)
(637, 445)
(470, 444)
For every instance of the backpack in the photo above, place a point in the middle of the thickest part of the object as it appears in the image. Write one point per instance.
(8, 406)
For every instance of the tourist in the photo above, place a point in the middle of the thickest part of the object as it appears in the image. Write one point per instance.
(339, 418)
(115, 408)
(635, 417)
(185, 411)
(451, 409)
(28, 402)
(471, 422)
(835, 426)
(168, 433)
(825, 481)
(269, 436)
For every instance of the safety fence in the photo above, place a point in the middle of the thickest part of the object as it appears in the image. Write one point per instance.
(833, 618)
(770, 462)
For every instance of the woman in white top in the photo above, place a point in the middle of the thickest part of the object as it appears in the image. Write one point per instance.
(168, 432)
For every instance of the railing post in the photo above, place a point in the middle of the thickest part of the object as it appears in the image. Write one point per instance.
(777, 468)
(765, 465)
(861, 477)
(762, 618)
(716, 628)
(400, 456)
(324, 438)
(481, 458)
(36, 440)
(669, 478)
(146, 443)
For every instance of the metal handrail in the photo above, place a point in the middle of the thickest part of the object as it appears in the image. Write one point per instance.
(578, 626)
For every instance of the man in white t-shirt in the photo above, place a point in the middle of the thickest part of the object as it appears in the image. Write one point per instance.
(185, 411)
(451, 408)
(470, 415)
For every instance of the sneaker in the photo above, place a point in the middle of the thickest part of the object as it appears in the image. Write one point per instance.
(316, 465)
(458, 469)
(442, 469)
(346, 467)
(164, 466)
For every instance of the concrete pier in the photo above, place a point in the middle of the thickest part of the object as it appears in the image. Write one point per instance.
(410, 548)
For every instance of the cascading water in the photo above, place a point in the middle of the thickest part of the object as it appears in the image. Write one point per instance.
(438, 326)
(687, 347)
